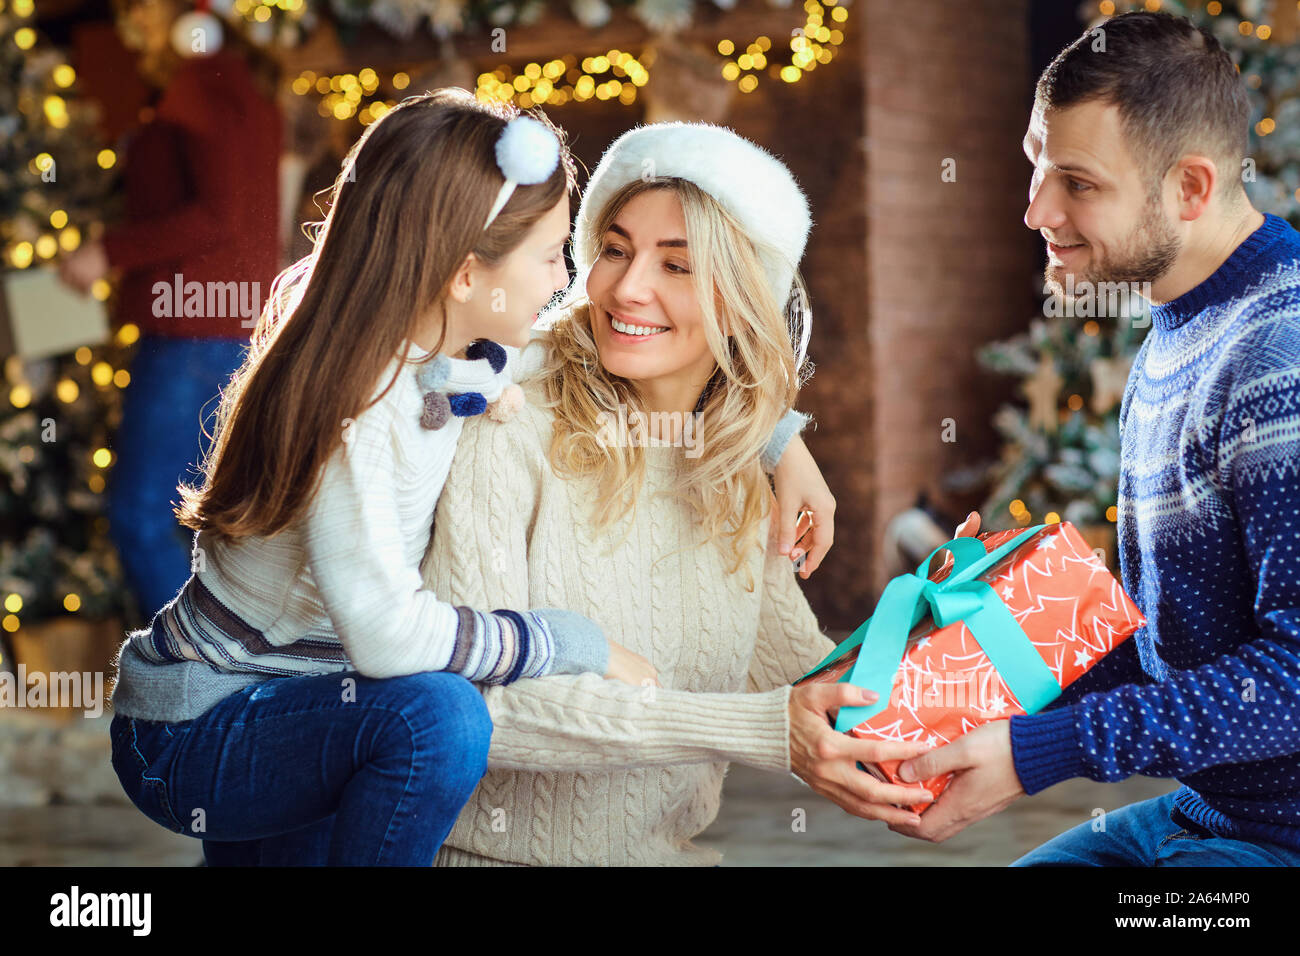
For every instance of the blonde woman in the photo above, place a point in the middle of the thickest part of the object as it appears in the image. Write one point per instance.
(629, 489)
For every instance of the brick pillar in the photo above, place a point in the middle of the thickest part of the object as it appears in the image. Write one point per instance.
(947, 268)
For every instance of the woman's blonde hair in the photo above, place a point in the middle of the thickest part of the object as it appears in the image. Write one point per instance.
(406, 211)
(755, 380)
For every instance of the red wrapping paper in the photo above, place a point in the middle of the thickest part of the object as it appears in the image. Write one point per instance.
(1062, 595)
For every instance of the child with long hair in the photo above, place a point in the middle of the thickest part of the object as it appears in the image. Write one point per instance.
(333, 443)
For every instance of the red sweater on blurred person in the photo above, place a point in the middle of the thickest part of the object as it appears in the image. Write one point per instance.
(202, 194)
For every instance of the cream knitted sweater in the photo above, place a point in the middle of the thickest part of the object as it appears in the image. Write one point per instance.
(584, 770)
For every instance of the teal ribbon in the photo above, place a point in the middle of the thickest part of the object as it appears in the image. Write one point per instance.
(961, 596)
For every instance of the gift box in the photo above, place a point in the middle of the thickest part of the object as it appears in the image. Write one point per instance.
(1020, 616)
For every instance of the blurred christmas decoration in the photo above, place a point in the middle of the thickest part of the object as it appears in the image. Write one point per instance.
(57, 413)
(54, 177)
(697, 80)
(1061, 457)
(56, 426)
(287, 22)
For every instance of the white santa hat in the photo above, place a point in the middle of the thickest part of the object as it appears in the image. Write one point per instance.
(750, 183)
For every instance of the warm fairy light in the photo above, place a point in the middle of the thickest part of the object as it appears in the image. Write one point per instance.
(69, 238)
(1051, 518)
(83, 355)
(1263, 31)
(1075, 402)
(102, 457)
(64, 76)
(23, 8)
(67, 391)
(99, 290)
(1112, 513)
(401, 81)
(58, 219)
(56, 111)
(1091, 328)
(1016, 507)
(14, 603)
(1214, 8)
(589, 77)
(10, 623)
(128, 334)
(121, 378)
(106, 158)
(101, 373)
(95, 483)
(21, 255)
(20, 396)
(46, 246)
(24, 38)
(71, 603)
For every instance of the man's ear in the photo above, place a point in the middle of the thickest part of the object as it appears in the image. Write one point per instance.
(1198, 177)
(462, 283)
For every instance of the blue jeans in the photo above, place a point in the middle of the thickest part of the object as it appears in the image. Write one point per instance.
(302, 771)
(1145, 834)
(174, 388)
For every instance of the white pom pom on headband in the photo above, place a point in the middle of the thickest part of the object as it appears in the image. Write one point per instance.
(527, 153)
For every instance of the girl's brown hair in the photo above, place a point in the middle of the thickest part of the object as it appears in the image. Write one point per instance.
(406, 211)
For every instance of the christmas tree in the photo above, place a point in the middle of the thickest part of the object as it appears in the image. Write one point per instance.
(1061, 457)
(57, 414)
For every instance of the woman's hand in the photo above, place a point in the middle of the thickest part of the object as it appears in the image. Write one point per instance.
(631, 668)
(827, 760)
(799, 488)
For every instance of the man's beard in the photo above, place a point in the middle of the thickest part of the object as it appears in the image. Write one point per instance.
(1150, 251)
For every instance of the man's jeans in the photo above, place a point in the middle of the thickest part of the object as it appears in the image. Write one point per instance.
(1144, 834)
(171, 401)
(313, 770)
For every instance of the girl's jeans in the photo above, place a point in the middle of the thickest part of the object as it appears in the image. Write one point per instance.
(334, 769)
(168, 405)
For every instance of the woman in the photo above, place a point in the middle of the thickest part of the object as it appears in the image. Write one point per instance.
(622, 504)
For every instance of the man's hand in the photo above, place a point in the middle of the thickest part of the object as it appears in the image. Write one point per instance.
(800, 487)
(81, 268)
(984, 782)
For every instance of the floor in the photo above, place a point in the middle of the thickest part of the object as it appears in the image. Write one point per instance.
(61, 805)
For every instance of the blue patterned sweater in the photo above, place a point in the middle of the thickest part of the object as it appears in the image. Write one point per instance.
(1208, 692)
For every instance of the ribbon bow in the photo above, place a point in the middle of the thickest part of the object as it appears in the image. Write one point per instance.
(961, 596)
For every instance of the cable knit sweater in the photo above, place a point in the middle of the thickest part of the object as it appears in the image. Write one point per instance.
(584, 770)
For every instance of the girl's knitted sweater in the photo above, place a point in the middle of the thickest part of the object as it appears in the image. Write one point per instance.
(340, 590)
(584, 770)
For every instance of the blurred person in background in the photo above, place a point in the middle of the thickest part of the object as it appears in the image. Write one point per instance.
(200, 176)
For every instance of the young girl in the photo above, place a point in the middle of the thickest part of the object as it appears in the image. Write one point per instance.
(333, 443)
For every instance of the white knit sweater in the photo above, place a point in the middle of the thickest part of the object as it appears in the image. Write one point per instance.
(584, 770)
